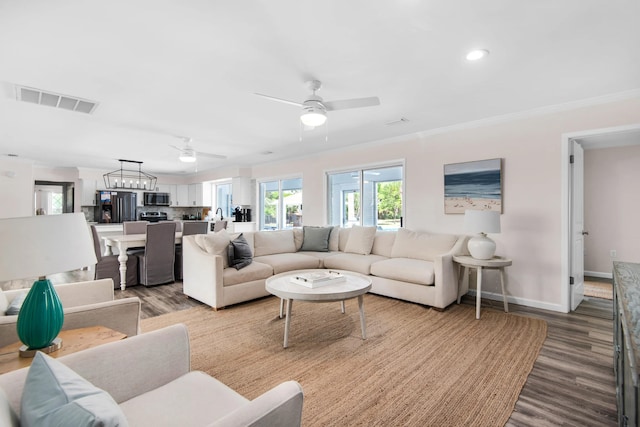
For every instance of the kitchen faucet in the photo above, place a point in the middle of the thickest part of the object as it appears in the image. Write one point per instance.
(219, 209)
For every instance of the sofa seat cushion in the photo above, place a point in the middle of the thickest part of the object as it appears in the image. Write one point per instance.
(254, 271)
(186, 400)
(352, 262)
(287, 262)
(405, 270)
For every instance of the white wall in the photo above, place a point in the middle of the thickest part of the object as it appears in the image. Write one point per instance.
(16, 188)
(531, 221)
(612, 203)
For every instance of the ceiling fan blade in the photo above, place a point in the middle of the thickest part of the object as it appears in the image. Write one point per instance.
(177, 148)
(343, 104)
(285, 101)
(213, 156)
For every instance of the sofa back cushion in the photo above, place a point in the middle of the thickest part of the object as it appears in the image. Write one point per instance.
(383, 243)
(298, 236)
(273, 242)
(360, 240)
(334, 239)
(343, 237)
(421, 245)
(215, 244)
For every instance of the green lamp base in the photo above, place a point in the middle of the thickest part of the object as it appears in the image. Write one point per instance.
(41, 316)
(28, 352)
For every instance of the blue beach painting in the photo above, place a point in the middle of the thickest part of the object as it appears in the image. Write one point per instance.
(473, 185)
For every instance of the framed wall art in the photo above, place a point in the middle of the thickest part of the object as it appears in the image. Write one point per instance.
(473, 185)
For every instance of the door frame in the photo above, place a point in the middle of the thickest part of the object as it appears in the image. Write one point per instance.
(565, 240)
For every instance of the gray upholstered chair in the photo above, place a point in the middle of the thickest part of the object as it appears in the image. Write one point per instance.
(156, 264)
(220, 225)
(108, 266)
(188, 228)
(134, 227)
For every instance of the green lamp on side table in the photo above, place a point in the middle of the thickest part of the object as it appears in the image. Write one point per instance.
(35, 247)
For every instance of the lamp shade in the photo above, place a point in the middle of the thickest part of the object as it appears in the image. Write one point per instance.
(35, 247)
(40, 245)
(482, 221)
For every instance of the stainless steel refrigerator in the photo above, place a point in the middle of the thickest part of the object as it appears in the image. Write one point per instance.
(116, 206)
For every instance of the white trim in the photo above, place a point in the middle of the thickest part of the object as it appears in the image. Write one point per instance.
(519, 301)
(599, 274)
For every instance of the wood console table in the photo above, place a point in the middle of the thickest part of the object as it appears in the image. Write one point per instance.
(72, 340)
(495, 263)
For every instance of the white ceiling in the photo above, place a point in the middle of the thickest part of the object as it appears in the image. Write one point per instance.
(162, 69)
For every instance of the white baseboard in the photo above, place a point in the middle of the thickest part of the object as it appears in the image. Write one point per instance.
(599, 274)
(520, 301)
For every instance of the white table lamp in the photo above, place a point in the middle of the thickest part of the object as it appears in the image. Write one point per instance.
(482, 222)
(35, 247)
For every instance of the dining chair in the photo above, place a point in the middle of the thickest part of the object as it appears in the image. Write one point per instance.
(108, 266)
(135, 227)
(220, 225)
(156, 264)
(188, 227)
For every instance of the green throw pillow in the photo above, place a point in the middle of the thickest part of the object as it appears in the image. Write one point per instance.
(54, 395)
(315, 238)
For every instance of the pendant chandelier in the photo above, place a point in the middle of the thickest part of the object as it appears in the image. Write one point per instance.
(130, 178)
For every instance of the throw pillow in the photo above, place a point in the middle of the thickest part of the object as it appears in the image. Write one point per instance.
(360, 240)
(54, 395)
(240, 254)
(316, 238)
(3, 303)
(14, 306)
(215, 244)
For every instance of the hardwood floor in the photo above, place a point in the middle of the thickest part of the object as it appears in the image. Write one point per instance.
(572, 381)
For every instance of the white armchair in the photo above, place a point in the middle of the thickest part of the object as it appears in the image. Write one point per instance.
(149, 377)
(85, 304)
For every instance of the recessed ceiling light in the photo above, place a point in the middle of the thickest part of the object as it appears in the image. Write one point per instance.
(474, 55)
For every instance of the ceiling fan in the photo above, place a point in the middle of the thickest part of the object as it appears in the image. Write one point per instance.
(314, 108)
(188, 154)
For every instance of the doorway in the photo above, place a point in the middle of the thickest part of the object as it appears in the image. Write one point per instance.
(52, 198)
(573, 187)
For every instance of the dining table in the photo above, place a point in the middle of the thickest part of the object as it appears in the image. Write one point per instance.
(124, 242)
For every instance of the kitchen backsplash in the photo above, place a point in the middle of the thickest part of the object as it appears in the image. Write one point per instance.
(172, 213)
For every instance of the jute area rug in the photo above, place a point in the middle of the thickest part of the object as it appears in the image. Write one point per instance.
(598, 289)
(417, 367)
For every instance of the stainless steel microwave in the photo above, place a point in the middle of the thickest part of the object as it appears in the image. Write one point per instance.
(156, 199)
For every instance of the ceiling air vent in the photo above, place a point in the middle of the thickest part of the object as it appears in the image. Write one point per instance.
(66, 102)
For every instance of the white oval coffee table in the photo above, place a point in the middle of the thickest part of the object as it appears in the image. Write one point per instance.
(354, 285)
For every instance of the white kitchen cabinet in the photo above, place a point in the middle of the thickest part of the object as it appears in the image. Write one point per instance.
(200, 194)
(172, 189)
(182, 193)
(241, 191)
(88, 189)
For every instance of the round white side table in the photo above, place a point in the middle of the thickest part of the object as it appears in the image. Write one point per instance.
(495, 263)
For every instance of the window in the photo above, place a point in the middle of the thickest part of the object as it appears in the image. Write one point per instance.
(369, 197)
(223, 199)
(281, 204)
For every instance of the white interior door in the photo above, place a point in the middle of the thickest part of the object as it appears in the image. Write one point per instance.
(577, 225)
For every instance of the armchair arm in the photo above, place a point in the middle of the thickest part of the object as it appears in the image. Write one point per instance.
(446, 274)
(202, 274)
(280, 406)
(122, 315)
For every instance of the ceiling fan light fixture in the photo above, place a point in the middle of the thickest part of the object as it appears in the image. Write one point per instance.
(313, 114)
(477, 54)
(187, 155)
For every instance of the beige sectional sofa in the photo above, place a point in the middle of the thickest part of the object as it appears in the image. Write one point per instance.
(403, 264)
